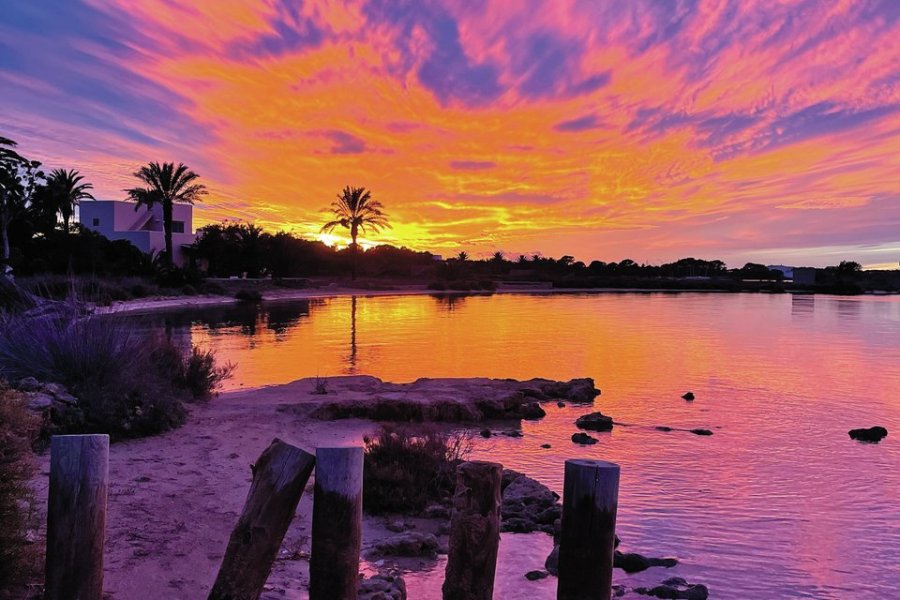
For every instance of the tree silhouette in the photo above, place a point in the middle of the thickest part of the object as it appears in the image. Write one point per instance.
(166, 185)
(65, 191)
(355, 210)
(19, 177)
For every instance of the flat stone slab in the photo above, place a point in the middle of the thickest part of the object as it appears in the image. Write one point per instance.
(448, 399)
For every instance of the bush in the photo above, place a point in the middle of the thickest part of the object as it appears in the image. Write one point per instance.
(246, 295)
(405, 471)
(18, 429)
(211, 288)
(127, 384)
(201, 376)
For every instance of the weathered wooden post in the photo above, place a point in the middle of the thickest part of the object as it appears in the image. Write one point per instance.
(588, 536)
(337, 524)
(76, 517)
(474, 532)
(279, 477)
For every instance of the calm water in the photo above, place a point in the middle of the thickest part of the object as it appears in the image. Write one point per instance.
(779, 503)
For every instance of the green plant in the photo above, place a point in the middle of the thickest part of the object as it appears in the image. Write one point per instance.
(406, 470)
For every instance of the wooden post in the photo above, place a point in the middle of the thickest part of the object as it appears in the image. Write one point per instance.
(76, 517)
(588, 536)
(279, 477)
(474, 532)
(337, 524)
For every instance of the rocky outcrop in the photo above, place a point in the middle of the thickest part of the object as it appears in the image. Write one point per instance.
(676, 588)
(449, 400)
(382, 587)
(583, 438)
(410, 543)
(527, 505)
(871, 434)
(595, 421)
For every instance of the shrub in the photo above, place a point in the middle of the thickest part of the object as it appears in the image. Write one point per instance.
(405, 471)
(211, 288)
(200, 374)
(246, 295)
(13, 299)
(127, 384)
(18, 429)
(188, 290)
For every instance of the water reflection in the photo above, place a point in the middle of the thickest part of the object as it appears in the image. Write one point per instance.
(763, 508)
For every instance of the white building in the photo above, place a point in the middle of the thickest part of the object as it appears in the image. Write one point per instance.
(118, 220)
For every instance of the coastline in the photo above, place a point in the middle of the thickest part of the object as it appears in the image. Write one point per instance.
(149, 305)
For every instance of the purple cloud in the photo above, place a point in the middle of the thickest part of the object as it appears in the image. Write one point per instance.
(583, 123)
(344, 143)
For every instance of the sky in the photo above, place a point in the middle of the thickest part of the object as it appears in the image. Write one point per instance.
(652, 130)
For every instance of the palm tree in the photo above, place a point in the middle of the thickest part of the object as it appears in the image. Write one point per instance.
(462, 256)
(355, 210)
(166, 185)
(66, 191)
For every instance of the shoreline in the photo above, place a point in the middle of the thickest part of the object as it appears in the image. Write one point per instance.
(160, 304)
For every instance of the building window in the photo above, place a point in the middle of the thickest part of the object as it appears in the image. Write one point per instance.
(95, 222)
(177, 226)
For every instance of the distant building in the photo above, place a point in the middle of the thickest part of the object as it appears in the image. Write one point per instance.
(804, 276)
(118, 220)
(788, 272)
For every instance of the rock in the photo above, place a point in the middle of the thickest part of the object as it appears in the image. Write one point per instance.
(872, 434)
(514, 433)
(396, 525)
(701, 432)
(583, 438)
(632, 562)
(535, 575)
(410, 543)
(533, 411)
(28, 384)
(552, 562)
(485, 433)
(688, 396)
(582, 390)
(437, 511)
(382, 587)
(619, 591)
(595, 421)
(38, 401)
(561, 404)
(676, 589)
(663, 428)
(546, 446)
(527, 505)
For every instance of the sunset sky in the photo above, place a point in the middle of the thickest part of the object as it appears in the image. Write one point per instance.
(747, 131)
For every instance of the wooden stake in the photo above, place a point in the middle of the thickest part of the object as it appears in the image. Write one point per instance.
(337, 524)
(279, 477)
(588, 536)
(474, 532)
(76, 517)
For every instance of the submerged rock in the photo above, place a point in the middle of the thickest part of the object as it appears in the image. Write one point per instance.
(408, 544)
(583, 438)
(485, 433)
(535, 575)
(382, 587)
(872, 434)
(595, 421)
(632, 562)
(676, 588)
(663, 428)
(546, 446)
(701, 432)
(688, 396)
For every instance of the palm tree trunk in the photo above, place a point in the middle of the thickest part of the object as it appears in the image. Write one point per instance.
(354, 252)
(167, 230)
(4, 242)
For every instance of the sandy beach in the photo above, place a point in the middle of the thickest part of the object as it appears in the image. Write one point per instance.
(174, 498)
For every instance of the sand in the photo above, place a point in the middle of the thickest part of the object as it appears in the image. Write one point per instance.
(174, 498)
